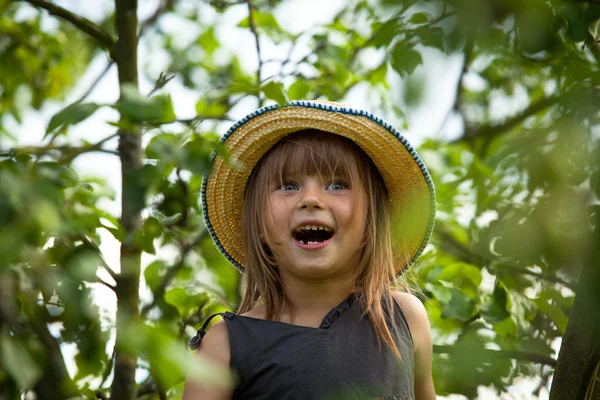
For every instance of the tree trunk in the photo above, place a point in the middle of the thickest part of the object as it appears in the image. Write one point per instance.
(130, 152)
(579, 355)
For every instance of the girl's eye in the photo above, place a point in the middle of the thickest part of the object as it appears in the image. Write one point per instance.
(286, 186)
(337, 185)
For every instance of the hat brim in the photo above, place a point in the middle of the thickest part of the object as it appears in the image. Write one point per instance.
(410, 188)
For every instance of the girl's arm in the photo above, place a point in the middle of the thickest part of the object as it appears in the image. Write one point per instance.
(214, 347)
(421, 332)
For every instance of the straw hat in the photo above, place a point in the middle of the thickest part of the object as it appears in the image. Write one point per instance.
(411, 190)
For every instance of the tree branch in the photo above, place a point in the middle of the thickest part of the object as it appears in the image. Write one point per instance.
(462, 252)
(468, 57)
(254, 30)
(95, 82)
(41, 150)
(132, 201)
(502, 355)
(144, 26)
(146, 388)
(83, 24)
(579, 353)
(165, 5)
(55, 382)
(525, 271)
(172, 272)
(490, 131)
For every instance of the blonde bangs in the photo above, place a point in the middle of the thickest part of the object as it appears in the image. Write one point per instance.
(314, 152)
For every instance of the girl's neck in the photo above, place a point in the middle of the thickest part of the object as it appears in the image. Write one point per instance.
(311, 301)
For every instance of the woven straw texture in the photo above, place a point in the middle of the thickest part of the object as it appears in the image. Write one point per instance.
(411, 190)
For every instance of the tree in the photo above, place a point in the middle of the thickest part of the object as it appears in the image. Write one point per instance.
(512, 270)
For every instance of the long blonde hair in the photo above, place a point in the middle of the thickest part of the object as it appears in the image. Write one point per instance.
(316, 152)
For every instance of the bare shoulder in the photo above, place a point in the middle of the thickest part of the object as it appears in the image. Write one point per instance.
(416, 316)
(215, 344)
(214, 348)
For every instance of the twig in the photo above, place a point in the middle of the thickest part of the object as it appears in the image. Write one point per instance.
(41, 150)
(95, 82)
(161, 81)
(172, 271)
(490, 131)
(101, 395)
(95, 147)
(166, 4)
(83, 24)
(108, 285)
(144, 26)
(223, 4)
(215, 293)
(254, 30)
(107, 370)
(146, 388)
(468, 55)
(525, 271)
(56, 382)
(93, 245)
(77, 150)
(502, 354)
(469, 256)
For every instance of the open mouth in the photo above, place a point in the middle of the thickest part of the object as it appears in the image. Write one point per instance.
(312, 234)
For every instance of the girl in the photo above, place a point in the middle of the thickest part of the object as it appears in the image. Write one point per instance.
(331, 205)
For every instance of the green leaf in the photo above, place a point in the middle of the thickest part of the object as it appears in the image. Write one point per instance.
(274, 91)
(137, 108)
(71, 115)
(153, 227)
(87, 366)
(184, 302)
(225, 274)
(267, 23)
(497, 306)
(555, 313)
(432, 37)
(197, 155)
(153, 274)
(405, 59)
(178, 297)
(83, 263)
(420, 18)
(298, 90)
(165, 147)
(18, 362)
(384, 32)
(441, 293)
(506, 328)
(151, 230)
(145, 243)
(459, 272)
(208, 41)
(210, 109)
(460, 307)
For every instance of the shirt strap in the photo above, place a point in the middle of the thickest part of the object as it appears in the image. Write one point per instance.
(194, 342)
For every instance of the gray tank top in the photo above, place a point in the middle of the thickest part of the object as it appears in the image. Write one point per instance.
(341, 359)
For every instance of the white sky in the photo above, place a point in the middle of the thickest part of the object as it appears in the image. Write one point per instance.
(439, 71)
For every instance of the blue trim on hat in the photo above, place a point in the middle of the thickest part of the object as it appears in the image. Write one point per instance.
(331, 108)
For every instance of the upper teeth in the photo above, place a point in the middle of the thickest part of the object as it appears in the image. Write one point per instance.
(314, 227)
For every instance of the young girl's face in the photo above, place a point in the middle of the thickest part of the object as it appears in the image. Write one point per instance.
(315, 205)
(317, 225)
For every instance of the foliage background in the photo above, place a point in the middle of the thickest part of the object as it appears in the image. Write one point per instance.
(506, 91)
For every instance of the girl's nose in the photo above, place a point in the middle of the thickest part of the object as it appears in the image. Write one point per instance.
(312, 197)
